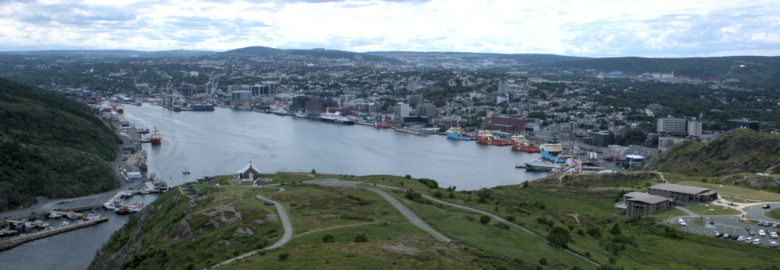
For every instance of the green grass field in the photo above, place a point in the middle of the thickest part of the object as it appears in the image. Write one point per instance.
(746, 193)
(774, 213)
(712, 210)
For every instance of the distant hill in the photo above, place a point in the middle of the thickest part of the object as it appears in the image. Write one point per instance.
(469, 57)
(330, 54)
(51, 146)
(747, 68)
(733, 152)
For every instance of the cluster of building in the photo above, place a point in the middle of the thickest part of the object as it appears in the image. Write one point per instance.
(662, 196)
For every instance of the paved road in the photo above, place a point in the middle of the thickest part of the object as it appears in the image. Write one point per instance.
(286, 224)
(398, 205)
(755, 212)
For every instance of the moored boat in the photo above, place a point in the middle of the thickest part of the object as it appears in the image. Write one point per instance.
(485, 137)
(54, 214)
(345, 120)
(93, 216)
(328, 116)
(540, 165)
(72, 215)
(458, 134)
(156, 137)
(300, 114)
(381, 126)
(520, 142)
(185, 171)
(550, 151)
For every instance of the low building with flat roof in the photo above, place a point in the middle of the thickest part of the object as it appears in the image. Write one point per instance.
(642, 204)
(683, 194)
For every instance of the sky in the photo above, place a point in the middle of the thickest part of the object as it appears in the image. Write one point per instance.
(590, 28)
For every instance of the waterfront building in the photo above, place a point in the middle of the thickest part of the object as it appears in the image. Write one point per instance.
(401, 110)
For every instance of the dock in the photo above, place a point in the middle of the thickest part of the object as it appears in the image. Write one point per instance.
(19, 240)
(410, 132)
(520, 166)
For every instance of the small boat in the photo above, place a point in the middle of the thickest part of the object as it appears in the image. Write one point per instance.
(122, 210)
(72, 215)
(7, 232)
(345, 120)
(109, 206)
(134, 208)
(300, 114)
(54, 215)
(64, 223)
(540, 165)
(42, 224)
(185, 172)
(127, 194)
(93, 216)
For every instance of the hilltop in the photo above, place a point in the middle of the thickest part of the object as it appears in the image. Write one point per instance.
(733, 152)
(747, 68)
(51, 146)
(330, 54)
(352, 227)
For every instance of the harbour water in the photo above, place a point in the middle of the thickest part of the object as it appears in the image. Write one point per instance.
(225, 140)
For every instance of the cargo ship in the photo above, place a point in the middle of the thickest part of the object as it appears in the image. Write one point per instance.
(458, 134)
(156, 137)
(550, 151)
(328, 116)
(203, 108)
(520, 142)
(485, 137)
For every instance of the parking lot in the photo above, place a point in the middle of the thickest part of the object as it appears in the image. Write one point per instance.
(731, 224)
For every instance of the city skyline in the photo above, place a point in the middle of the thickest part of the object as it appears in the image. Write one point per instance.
(592, 29)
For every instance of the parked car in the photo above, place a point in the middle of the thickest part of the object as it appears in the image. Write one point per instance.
(757, 241)
(773, 244)
(749, 240)
(760, 223)
(712, 222)
(268, 203)
(741, 238)
(681, 222)
(726, 236)
(773, 235)
(751, 232)
(774, 225)
(761, 233)
(734, 237)
(766, 206)
(718, 234)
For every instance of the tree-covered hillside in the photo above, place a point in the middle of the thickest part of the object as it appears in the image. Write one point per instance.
(51, 146)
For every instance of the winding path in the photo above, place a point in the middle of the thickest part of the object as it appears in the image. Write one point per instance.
(286, 224)
(398, 205)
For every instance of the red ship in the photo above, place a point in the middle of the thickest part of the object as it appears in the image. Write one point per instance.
(156, 138)
(485, 137)
(519, 142)
(377, 125)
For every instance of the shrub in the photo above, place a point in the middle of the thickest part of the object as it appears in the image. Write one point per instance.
(543, 261)
(432, 184)
(408, 176)
(484, 219)
(615, 229)
(328, 238)
(361, 238)
(559, 236)
(283, 256)
(437, 194)
(313, 171)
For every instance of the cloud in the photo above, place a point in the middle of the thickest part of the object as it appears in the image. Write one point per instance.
(593, 28)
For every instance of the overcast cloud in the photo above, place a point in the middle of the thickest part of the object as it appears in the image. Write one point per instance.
(660, 28)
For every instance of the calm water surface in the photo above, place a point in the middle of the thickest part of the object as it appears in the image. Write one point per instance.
(224, 141)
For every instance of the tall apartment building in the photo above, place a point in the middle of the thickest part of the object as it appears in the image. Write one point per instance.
(188, 90)
(694, 129)
(671, 126)
(401, 110)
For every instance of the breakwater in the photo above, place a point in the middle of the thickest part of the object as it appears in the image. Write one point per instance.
(19, 240)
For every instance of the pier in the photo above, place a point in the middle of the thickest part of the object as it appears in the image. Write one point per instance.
(19, 240)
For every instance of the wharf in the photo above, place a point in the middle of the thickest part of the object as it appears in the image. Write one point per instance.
(16, 241)
(410, 132)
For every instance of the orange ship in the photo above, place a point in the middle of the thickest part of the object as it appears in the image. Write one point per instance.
(519, 142)
(156, 138)
(485, 137)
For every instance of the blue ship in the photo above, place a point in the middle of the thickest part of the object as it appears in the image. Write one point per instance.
(550, 152)
(457, 133)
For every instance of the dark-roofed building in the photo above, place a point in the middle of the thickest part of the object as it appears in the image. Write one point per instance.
(249, 172)
(683, 194)
(641, 204)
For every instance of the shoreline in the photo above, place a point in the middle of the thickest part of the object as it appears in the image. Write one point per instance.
(117, 165)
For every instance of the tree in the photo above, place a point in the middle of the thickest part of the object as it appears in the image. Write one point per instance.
(328, 238)
(361, 238)
(615, 229)
(559, 236)
(484, 219)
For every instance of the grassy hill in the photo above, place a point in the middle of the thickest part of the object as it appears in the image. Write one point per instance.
(748, 68)
(51, 146)
(330, 54)
(180, 232)
(733, 152)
